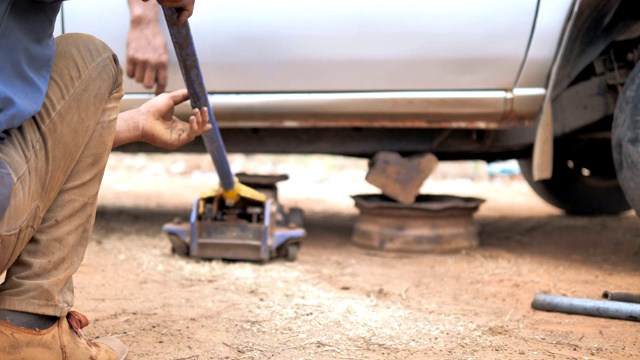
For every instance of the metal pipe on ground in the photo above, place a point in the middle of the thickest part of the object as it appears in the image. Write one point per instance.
(621, 296)
(599, 308)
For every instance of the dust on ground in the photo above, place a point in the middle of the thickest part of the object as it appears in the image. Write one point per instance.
(341, 302)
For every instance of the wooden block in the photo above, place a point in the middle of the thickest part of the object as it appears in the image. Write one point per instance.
(400, 178)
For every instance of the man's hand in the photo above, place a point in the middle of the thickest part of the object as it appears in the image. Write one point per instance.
(154, 123)
(160, 128)
(147, 54)
(185, 6)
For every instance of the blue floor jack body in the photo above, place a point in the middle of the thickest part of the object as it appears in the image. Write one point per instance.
(242, 220)
(250, 230)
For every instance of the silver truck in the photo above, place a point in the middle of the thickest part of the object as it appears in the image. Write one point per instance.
(549, 82)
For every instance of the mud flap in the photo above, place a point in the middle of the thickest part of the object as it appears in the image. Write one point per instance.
(543, 146)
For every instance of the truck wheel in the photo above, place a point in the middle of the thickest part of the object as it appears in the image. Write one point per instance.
(584, 180)
(625, 138)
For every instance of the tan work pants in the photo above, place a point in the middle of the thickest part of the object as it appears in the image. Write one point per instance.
(56, 160)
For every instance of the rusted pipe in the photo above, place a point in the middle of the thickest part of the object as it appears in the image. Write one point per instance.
(599, 308)
(622, 296)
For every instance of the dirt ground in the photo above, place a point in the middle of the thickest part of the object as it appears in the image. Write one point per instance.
(341, 302)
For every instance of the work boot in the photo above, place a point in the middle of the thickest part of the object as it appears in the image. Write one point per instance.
(62, 341)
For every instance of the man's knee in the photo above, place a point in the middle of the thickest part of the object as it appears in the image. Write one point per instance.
(83, 50)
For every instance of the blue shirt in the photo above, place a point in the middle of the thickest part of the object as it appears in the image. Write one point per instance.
(27, 48)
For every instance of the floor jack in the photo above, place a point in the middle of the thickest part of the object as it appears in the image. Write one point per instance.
(242, 220)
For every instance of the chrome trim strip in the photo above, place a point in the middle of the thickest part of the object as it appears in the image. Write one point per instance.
(422, 109)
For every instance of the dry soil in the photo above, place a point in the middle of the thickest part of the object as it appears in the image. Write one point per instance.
(341, 302)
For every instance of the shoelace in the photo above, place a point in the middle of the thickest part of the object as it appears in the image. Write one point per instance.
(77, 321)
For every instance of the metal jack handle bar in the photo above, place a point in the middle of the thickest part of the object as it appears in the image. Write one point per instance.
(192, 75)
(621, 296)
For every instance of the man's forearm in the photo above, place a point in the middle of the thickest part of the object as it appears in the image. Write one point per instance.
(128, 128)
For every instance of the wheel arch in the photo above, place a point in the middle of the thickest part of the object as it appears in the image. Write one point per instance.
(592, 26)
(597, 25)
(604, 48)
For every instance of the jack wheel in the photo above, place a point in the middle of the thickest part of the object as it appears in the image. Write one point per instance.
(292, 252)
(178, 246)
(296, 217)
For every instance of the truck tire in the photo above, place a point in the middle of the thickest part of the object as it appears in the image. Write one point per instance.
(625, 139)
(584, 179)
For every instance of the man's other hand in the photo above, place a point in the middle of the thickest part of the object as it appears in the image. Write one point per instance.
(147, 54)
(185, 6)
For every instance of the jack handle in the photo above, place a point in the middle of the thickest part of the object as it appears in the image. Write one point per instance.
(194, 81)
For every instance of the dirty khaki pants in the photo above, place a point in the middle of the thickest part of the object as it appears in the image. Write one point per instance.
(56, 160)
